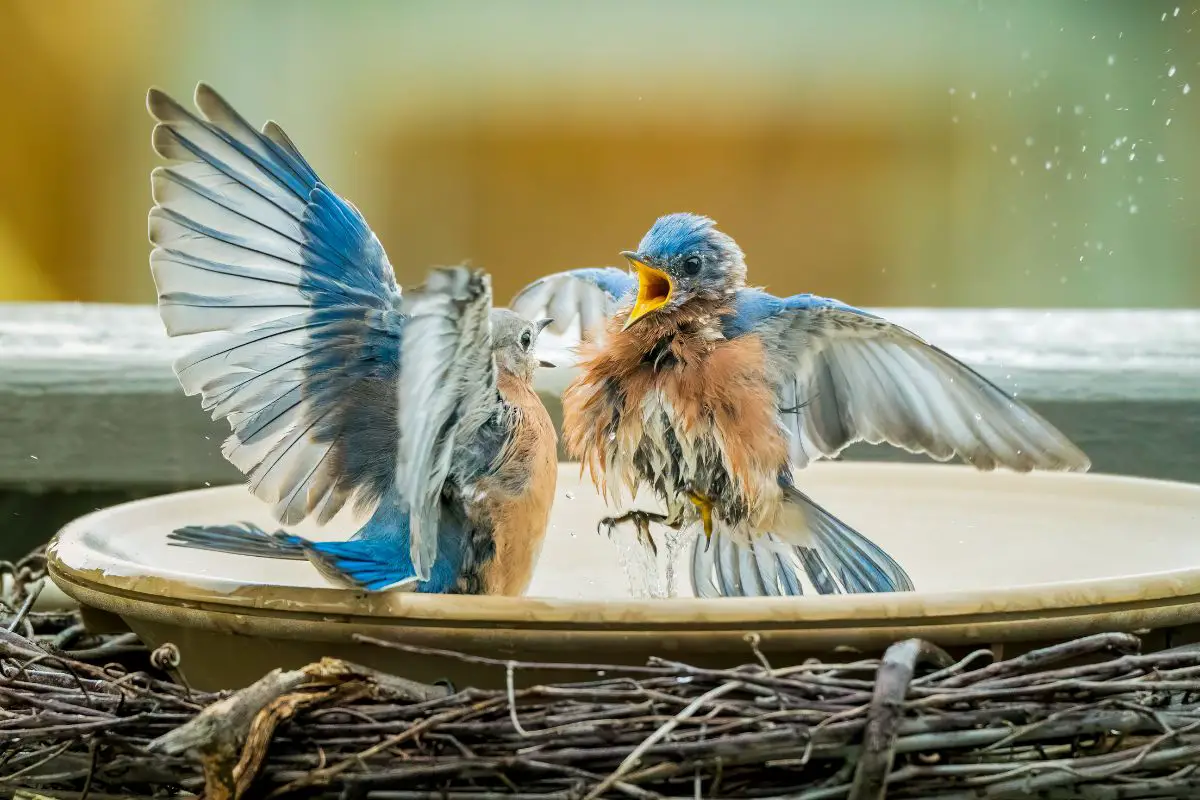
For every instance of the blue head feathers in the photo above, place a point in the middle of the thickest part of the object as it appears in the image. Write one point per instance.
(698, 259)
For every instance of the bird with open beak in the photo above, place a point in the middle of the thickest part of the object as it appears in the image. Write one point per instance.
(711, 394)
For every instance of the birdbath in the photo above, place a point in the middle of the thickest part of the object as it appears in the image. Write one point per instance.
(1000, 560)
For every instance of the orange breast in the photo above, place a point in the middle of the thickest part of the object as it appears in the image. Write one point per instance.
(518, 521)
(710, 388)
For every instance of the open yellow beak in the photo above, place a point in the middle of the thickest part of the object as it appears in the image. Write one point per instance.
(654, 289)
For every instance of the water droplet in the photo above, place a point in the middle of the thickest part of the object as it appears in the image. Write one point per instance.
(1168, 120)
(1112, 60)
(1029, 141)
(1078, 110)
(1176, 14)
(1108, 96)
(35, 458)
(569, 495)
(1187, 88)
(1063, 279)
(952, 90)
(206, 483)
(1048, 165)
(1159, 158)
(973, 95)
(1171, 72)
(1133, 208)
(1103, 159)
(1012, 160)
(1132, 155)
(979, 417)
(601, 673)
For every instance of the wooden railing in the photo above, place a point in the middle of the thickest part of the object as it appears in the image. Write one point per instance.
(91, 414)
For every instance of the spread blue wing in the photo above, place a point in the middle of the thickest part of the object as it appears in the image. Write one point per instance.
(842, 376)
(448, 393)
(579, 301)
(251, 246)
(845, 375)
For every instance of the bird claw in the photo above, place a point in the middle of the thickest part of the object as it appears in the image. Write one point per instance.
(641, 522)
(704, 506)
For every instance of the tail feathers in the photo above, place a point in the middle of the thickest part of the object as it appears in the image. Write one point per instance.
(725, 567)
(832, 556)
(372, 565)
(841, 555)
(375, 566)
(245, 539)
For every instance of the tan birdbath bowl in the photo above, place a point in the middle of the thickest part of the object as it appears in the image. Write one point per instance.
(1000, 560)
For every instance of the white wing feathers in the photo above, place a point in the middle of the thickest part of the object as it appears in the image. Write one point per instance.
(447, 390)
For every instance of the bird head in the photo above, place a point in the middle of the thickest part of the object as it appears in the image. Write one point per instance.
(513, 342)
(682, 258)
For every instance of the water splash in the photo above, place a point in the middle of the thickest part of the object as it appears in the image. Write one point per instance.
(650, 576)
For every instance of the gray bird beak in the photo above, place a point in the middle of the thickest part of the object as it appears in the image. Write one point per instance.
(541, 326)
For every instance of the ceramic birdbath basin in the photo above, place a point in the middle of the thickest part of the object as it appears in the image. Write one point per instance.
(1000, 560)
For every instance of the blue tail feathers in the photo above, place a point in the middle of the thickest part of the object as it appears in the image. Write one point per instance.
(842, 556)
(835, 558)
(375, 559)
(246, 539)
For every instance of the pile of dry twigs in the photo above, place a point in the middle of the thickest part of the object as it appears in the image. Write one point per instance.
(1090, 718)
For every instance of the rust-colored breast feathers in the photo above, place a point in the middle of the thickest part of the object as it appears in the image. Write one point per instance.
(713, 386)
(519, 521)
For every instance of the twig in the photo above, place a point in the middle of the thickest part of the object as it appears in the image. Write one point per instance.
(31, 597)
(632, 759)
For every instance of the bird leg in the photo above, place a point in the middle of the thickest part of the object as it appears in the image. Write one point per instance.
(704, 507)
(641, 521)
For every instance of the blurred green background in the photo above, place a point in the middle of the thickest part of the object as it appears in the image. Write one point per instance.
(888, 152)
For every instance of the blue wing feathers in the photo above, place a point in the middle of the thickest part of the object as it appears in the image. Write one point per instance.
(249, 237)
(616, 283)
(752, 307)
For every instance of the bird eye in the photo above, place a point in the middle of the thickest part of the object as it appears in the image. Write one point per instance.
(526, 340)
(691, 265)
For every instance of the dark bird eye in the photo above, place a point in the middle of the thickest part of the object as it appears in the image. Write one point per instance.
(526, 340)
(691, 265)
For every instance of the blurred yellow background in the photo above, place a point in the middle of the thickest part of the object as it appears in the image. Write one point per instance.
(888, 152)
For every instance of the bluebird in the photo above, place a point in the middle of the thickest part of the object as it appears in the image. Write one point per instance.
(418, 410)
(711, 394)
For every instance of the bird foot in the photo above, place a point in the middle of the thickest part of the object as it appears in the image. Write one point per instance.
(704, 506)
(641, 522)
